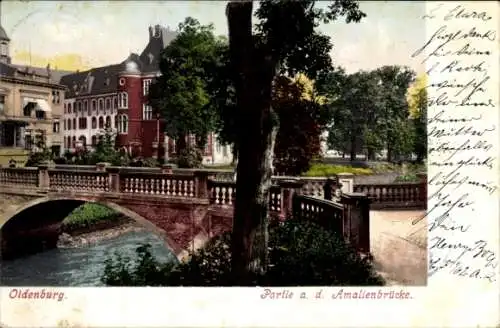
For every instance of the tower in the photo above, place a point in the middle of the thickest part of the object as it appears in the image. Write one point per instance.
(4, 42)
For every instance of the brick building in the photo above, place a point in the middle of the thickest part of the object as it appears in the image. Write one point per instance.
(115, 96)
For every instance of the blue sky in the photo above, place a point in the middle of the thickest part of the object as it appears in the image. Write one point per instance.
(105, 32)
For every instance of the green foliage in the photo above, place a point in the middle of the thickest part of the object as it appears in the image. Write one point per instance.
(88, 214)
(410, 177)
(121, 271)
(328, 170)
(301, 254)
(38, 157)
(181, 94)
(105, 151)
(370, 111)
(144, 162)
(189, 158)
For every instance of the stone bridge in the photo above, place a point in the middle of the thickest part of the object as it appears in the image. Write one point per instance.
(184, 207)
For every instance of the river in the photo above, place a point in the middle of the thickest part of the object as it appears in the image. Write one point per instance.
(77, 267)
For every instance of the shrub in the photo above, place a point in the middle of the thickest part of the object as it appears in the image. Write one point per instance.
(38, 157)
(189, 158)
(144, 162)
(301, 254)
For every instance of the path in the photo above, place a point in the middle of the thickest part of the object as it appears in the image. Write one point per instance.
(398, 247)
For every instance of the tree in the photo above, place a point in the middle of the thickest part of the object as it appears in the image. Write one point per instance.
(104, 151)
(285, 40)
(181, 93)
(417, 103)
(302, 118)
(394, 128)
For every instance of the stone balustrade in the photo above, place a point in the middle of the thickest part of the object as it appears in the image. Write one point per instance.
(216, 185)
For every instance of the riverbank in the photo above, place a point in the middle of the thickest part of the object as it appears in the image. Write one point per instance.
(72, 237)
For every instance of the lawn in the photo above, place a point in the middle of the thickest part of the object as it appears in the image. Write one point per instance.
(88, 214)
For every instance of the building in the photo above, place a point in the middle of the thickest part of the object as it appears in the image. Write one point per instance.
(31, 108)
(115, 97)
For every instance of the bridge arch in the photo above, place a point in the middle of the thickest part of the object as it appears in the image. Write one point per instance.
(61, 207)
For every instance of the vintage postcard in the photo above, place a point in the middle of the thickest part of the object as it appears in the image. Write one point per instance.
(186, 163)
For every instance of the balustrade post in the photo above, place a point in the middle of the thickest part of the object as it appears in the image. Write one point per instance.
(422, 178)
(101, 167)
(356, 221)
(167, 169)
(288, 188)
(114, 179)
(201, 184)
(43, 177)
(346, 182)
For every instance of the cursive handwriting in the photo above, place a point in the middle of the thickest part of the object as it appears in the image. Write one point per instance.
(461, 154)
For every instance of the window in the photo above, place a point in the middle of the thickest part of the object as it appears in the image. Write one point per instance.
(83, 141)
(3, 49)
(115, 102)
(82, 123)
(147, 112)
(145, 87)
(108, 103)
(218, 147)
(69, 124)
(224, 151)
(101, 123)
(94, 123)
(65, 110)
(64, 124)
(40, 114)
(69, 108)
(123, 100)
(29, 108)
(101, 105)
(56, 97)
(55, 127)
(116, 122)
(28, 141)
(79, 107)
(73, 142)
(85, 106)
(74, 123)
(94, 140)
(123, 123)
(94, 105)
(108, 122)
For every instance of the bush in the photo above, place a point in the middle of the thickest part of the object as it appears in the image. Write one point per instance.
(189, 158)
(301, 254)
(144, 162)
(38, 157)
(88, 214)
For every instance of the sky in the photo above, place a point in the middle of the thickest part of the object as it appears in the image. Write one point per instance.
(78, 35)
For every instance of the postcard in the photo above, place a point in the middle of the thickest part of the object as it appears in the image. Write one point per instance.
(249, 163)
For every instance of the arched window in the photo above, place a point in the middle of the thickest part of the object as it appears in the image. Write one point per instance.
(78, 107)
(94, 105)
(64, 124)
(101, 105)
(115, 102)
(69, 124)
(116, 122)
(69, 108)
(73, 143)
(94, 122)
(94, 140)
(74, 123)
(101, 123)
(108, 122)
(122, 100)
(85, 106)
(108, 103)
(68, 142)
(83, 141)
(123, 123)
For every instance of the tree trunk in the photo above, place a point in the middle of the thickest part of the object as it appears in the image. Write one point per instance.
(254, 72)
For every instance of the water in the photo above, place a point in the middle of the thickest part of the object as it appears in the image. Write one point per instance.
(77, 267)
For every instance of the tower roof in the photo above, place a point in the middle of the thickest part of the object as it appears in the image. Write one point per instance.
(3, 35)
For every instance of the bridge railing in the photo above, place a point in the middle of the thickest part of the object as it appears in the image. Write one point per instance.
(10, 176)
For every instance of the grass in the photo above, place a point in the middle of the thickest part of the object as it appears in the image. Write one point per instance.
(325, 170)
(88, 214)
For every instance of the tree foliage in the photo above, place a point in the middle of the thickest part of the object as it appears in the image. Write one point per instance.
(301, 254)
(302, 117)
(181, 94)
(370, 111)
(417, 102)
(285, 40)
